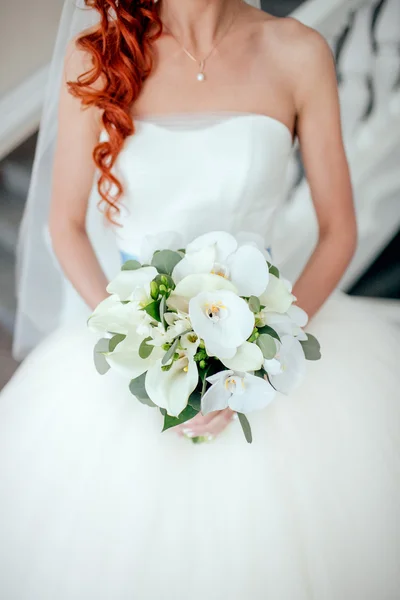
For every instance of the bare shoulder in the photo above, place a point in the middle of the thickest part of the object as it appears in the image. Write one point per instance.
(298, 44)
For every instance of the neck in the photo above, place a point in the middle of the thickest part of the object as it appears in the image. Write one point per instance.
(198, 23)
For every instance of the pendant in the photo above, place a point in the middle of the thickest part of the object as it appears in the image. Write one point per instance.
(200, 75)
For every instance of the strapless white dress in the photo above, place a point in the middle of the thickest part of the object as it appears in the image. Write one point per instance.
(97, 504)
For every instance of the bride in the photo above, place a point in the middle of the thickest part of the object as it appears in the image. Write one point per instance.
(184, 112)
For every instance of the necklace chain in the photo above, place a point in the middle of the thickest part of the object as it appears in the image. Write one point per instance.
(201, 75)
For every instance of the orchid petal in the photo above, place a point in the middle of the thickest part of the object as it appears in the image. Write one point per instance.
(276, 297)
(192, 285)
(298, 315)
(291, 356)
(224, 244)
(258, 393)
(216, 398)
(247, 358)
(248, 271)
(272, 366)
(112, 316)
(201, 261)
(126, 282)
(231, 321)
(126, 360)
(170, 389)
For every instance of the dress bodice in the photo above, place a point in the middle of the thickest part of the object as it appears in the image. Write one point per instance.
(195, 173)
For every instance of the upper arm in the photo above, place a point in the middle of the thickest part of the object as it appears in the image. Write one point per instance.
(320, 134)
(78, 133)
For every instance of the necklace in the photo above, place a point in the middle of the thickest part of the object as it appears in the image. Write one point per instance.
(201, 76)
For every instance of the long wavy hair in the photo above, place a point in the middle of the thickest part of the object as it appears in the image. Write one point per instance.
(120, 47)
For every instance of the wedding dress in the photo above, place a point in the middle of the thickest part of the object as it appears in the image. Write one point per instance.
(97, 504)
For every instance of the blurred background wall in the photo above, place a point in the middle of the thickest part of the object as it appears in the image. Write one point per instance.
(365, 38)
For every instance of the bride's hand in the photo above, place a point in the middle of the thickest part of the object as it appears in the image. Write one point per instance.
(209, 425)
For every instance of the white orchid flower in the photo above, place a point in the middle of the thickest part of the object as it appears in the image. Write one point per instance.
(126, 360)
(218, 253)
(192, 285)
(290, 323)
(223, 320)
(127, 284)
(177, 323)
(278, 295)
(170, 389)
(287, 369)
(112, 315)
(166, 240)
(253, 239)
(248, 357)
(241, 392)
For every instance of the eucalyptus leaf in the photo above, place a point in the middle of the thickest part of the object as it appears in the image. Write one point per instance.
(269, 331)
(267, 345)
(246, 427)
(165, 261)
(274, 271)
(311, 347)
(145, 349)
(188, 413)
(153, 309)
(115, 340)
(101, 348)
(254, 304)
(170, 353)
(131, 265)
(138, 389)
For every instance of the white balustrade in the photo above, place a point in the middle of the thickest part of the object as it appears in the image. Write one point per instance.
(369, 88)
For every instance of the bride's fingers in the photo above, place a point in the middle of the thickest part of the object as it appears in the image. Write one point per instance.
(213, 425)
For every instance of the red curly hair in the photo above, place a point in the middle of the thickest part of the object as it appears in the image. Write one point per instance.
(120, 47)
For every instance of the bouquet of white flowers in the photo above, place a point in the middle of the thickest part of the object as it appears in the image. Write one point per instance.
(203, 329)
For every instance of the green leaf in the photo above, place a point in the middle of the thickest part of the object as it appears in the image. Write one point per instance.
(311, 347)
(246, 427)
(254, 304)
(165, 261)
(131, 265)
(269, 331)
(260, 373)
(138, 389)
(195, 400)
(170, 353)
(274, 271)
(163, 310)
(145, 349)
(101, 348)
(115, 340)
(188, 413)
(153, 309)
(267, 345)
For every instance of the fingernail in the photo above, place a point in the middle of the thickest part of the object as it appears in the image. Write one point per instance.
(235, 417)
(188, 433)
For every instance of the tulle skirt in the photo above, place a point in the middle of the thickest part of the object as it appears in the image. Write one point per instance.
(97, 504)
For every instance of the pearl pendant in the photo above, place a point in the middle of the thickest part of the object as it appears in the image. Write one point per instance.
(200, 77)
